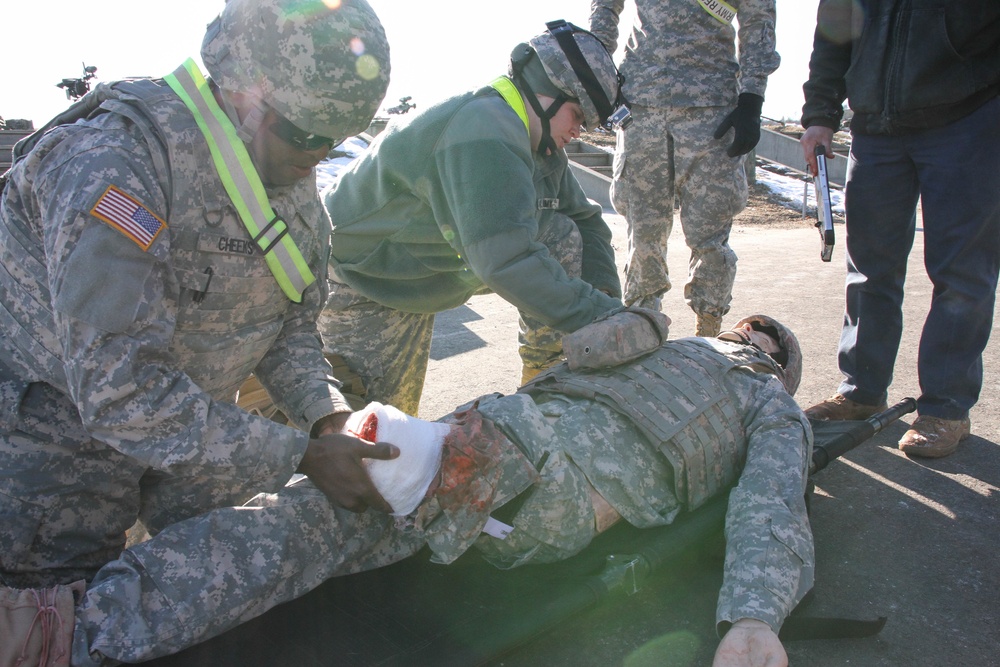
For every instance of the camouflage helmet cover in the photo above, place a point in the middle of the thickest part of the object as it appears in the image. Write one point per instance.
(322, 64)
(560, 70)
(791, 373)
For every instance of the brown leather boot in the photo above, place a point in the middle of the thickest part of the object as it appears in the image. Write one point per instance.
(841, 408)
(36, 625)
(933, 437)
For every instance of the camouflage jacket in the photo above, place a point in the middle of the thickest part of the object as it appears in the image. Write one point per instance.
(680, 55)
(586, 442)
(151, 319)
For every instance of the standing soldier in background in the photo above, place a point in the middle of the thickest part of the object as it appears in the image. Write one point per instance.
(144, 276)
(687, 90)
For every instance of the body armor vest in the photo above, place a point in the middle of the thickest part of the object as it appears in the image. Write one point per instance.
(677, 396)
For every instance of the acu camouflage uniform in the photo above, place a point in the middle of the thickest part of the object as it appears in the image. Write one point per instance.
(721, 405)
(702, 415)
(119, 367)
(682, 78)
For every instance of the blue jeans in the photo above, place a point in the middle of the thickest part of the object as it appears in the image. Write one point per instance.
(955, 172)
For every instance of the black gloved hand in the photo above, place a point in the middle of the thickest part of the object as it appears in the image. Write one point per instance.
(745, 119)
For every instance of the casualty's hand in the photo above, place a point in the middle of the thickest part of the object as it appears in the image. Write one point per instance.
(750, 643)
(814, 136)
(745, 121)
(334, 464)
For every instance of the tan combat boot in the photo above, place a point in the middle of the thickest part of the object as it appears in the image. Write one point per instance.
(36, 625)
(708, 325)
(934, 438)
(840, 408)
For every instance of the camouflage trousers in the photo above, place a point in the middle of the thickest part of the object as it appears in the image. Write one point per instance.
(67, 500)
(216, 560)
(665, 153)
(390, 348)
(201, 577)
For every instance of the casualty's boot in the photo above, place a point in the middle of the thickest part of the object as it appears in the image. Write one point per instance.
(708, 325)
(840, 408)
(933, 437)
(36, 625)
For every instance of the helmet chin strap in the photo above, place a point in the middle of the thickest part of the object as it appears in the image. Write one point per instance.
(546, 144)
(246, 129)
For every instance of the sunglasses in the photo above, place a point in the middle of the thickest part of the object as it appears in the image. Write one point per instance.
(286, 130)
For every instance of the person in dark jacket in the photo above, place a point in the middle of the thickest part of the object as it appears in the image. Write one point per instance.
(922, 78)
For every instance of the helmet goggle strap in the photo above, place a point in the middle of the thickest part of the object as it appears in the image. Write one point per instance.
(612, 115)
(282, 128)
(247, 128)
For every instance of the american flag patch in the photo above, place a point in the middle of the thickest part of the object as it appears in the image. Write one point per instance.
(128, 216)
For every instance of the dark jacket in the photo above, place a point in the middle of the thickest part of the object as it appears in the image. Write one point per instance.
(903, 65)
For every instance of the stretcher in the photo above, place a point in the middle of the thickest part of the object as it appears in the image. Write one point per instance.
(469, 613)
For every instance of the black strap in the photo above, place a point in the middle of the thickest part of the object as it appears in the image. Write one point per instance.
(546, 143)
(803, 628)
(563, 32)
(257, 239)
(799, 627)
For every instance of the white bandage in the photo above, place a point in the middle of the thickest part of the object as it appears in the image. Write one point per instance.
(403, 481)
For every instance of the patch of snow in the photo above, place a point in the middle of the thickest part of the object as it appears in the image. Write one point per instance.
(329, 170)
(789, 186)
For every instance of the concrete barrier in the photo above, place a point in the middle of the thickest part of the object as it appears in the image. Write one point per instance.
(786, 151)
(7, 140)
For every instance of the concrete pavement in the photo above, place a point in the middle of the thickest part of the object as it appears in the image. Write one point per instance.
(912, 540)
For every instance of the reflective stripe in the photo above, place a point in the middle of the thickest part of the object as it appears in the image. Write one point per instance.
(723, 11)
(510, 93)
(242, 182)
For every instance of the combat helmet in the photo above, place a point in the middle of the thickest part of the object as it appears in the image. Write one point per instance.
(576, 66)
(790, 358)
(322, 65)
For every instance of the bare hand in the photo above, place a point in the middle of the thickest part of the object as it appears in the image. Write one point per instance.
(817, 135)
(334, 464)
(750, 643)
(330, 424)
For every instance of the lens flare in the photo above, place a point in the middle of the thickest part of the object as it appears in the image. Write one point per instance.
(357, 46)
(309, 9)
(367, 67)
(677, 649)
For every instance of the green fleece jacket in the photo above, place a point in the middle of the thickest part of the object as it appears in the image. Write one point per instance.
(453, 198)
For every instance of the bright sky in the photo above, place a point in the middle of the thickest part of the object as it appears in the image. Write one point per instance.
(438, 47)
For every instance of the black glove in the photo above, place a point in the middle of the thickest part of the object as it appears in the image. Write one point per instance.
(745, 119)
